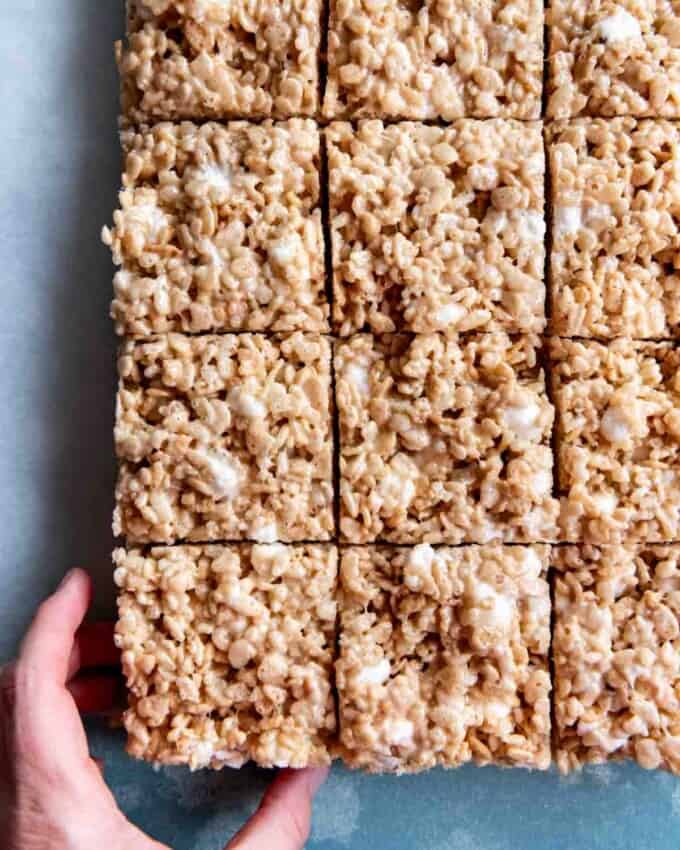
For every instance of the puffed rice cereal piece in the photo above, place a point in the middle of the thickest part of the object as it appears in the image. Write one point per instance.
(618, 434)
(224, 438)
(616, 651)
(228, 653)
(435, 59)
(444, 440)
(615, 228)
(217, 59)
(219, 228)
(611, 58)
(444, 657)
(437, 228)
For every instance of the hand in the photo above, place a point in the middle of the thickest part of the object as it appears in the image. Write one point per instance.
(52, 793)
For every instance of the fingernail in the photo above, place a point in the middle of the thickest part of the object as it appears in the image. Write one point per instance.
(67, 578)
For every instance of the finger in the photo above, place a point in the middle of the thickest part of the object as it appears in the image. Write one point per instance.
(48, 731)
(94, 694)
(93, 647)
(284, 817)
(48, 644)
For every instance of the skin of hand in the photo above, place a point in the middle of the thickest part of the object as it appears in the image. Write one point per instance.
(52, 793)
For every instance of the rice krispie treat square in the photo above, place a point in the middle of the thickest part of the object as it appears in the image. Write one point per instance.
(217, 59)
(618, 435)
(444, 657)
(616, 652)
(228, 653)
(611, 58)
(435, 59)
(437, 228)
(219, 228)
(224, 438)
(444, 440)
(615, 228)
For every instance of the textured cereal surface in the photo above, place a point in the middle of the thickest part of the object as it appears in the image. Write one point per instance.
(219, 228)
(615, 228)
(444, 440)
(444, 657)
(217, 59)
(614, 58)
(616, 650)
(435, 59)
(618, 408)
(224, 438)
(228, 653)
(437, 229)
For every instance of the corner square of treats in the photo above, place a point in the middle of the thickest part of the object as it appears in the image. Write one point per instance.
(444, 440)
(608, 58)
(217, 59)
(228, 653)
(219, 228)
(437, 59)
(616, 651)
(224, 438)
(615, 234)
(444, 657)
(618, 433)
(437, 228)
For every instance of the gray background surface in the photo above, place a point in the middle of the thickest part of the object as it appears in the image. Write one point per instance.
(59, 165)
